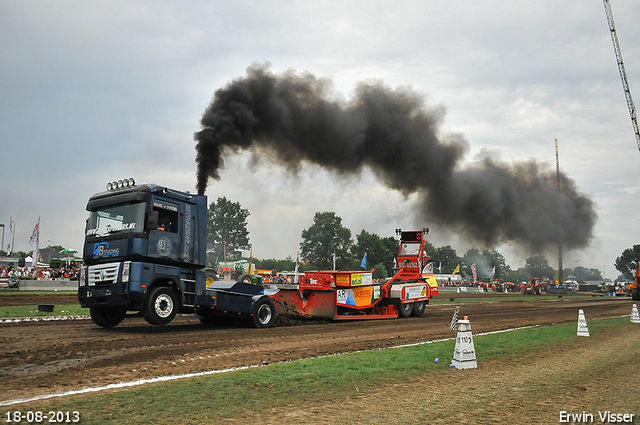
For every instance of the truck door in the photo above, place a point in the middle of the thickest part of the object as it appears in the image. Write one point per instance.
(164, 241)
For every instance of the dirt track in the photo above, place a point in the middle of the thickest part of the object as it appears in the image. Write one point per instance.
(56, 356)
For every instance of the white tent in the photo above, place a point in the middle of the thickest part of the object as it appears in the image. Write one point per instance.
(29, 260)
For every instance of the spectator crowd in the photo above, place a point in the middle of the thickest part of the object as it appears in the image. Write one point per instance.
(66, 272)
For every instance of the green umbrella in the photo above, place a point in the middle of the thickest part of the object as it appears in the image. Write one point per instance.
(69, 253)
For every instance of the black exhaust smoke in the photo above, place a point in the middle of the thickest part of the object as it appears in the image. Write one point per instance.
(393, 132)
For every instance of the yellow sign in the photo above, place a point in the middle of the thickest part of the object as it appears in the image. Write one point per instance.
(342, 279)
(431, 281)
(362, 296)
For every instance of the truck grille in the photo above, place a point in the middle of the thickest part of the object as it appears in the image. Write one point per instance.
(103, 274)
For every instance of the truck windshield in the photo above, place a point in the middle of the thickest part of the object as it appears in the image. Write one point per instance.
(121, 218)
(410, 248)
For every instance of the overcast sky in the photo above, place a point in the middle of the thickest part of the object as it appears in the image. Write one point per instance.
(103, 90)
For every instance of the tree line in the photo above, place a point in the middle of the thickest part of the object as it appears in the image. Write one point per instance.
(327, 240)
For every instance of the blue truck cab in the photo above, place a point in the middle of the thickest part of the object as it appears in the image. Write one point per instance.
(145, 254)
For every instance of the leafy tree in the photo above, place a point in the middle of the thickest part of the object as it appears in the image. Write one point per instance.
(380, 271)
(227, 229)
(497, 260)
(380, 251)
(485, 262)
(429, 249)
(538, 266)
(446, 257)
(583, 274)
(325, 237)
(473, 256)
(627, 262)
(288, 264)
(517, 276)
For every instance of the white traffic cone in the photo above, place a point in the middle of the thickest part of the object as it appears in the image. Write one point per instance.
(635, 318)
(464, 355)
(458, 290)
(583, 330)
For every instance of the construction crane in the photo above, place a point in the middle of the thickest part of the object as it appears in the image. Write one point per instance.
(623, 74)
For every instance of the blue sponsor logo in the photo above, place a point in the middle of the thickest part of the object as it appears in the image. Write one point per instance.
(101, 249)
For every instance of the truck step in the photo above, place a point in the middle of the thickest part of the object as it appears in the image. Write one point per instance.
(188, 292)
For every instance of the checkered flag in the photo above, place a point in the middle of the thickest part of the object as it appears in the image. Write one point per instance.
(454, 320)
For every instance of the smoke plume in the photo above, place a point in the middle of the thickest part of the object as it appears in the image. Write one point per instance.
(397, 135)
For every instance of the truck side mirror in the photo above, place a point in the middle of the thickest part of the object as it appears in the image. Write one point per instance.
(152, 222)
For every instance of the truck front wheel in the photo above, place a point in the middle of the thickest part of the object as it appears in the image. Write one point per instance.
(161, 306)
(264, 313)
(107, 317)
(635, 295)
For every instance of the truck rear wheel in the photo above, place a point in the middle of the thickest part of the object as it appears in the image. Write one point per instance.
(107, 317)
(264, 313)
(419, 308)
(635, 295)
(161, 307)
(406, 309)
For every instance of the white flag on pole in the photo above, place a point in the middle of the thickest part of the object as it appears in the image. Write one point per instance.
(9, 245)
(34, 240)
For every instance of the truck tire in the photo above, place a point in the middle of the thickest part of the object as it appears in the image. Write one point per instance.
(107, 317)
(406, 309)
(211, 277)
(246, 278)
(635, 295)
(419, 308)
(161, 306)
(264, 313)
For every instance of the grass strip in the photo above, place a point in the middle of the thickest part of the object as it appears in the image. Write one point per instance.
(215, 397)
(32, 310)
(444, 298)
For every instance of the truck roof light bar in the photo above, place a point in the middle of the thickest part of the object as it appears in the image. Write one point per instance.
(121, 184)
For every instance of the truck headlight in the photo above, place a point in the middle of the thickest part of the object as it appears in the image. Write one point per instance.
(125, 271)
(81, 277)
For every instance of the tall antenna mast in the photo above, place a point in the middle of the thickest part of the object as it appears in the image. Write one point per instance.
(623, 73)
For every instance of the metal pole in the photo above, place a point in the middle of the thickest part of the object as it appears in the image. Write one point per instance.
(2, 249)
(560, 277)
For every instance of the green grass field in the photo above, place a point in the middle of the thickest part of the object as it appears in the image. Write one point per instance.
(215, 397)
(11, 292)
